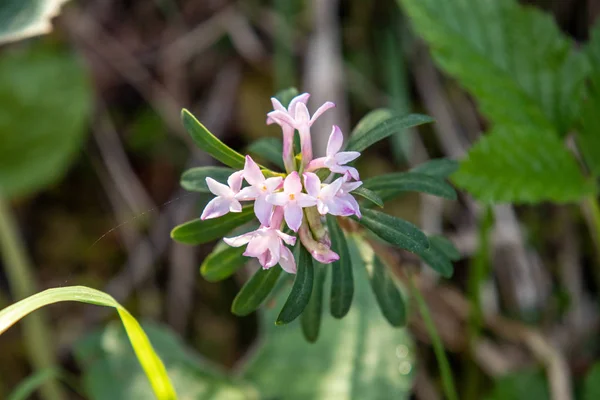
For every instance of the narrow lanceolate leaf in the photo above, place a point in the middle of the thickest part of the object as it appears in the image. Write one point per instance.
(194, 179)
(342, 281)
(481, 44)
(522, 165)
(311, 316)
(255, 291)
(438, 168)
(210, 143)
(301, 290)
(395, 231)
(445, 246)
(391, 185)
(386, 292)
(369, 195)
(152, 365)
(362, 138)
(436, 256)
(222, 263)
(198, 231)
(270, 149)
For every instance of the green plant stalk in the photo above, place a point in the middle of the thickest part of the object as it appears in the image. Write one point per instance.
(591, 211)
(436, 342)
(20, 278)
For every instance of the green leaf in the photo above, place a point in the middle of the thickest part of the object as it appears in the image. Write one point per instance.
(255, 291)
(271, 149)
(29, 385)
(384, 288)
(21, 19)
(438, 168)
(445, 246)
(530, 384)
(109, 370)
(198, 231)
(369, 195)
(43, 120)
(357, 357)
(436, 256)
(151, 363)
(522, 165)
(395, 231)
(391, 185)
(365, 135)
(486, 46)
(194, 179)
(222, 263)
(301, 290)
(210, 143)
(311, 316)
(342, 282)
(591, 384)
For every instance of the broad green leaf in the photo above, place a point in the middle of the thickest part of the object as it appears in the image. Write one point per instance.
(487, 46)
(210, 143)
(194, 179)
(151, 363)
(21, 19)
(438, 168)
(391, 185)
(222, 263)
(395, 231)
(530, 384)
(522, 165)
(312, 314)
(445, 246)
(199, 231)
(358, 357)
(29, 385)
(301, 290)
(369, 195)
(342, 281)
(591, 384)
(588, 137)
(271, 149)
(436, 256)
(255, 291)
(362, 138)
(109, 370)
(43, 120)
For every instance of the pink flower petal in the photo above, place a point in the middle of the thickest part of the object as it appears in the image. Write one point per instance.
(235, 181)
(273, 183)
(248, 193)
(335, 142)
(263, 210)
(276, 218)
(301, 98)
(215, 208)
(277, 104)
(281, 118)
(235, 206)
(312, 183)
(316, 164)
(347, 187)
(291, 240)
(292, 183)
(324, 255)
(238, 241)
(326, 106)
(293, 216)
(328, 191)
(218, 188)
(258, 245)
(302, 116)
(286, 260)
(346, 156)
(252, 172)
(304, 200)
(278, 199)
(263, 259)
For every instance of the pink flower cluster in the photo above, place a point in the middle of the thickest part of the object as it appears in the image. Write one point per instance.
(301, 199)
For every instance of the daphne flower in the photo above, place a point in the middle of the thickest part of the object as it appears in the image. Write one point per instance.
(292, 200)
(225, 200)
(335, 159)
(319, 251)
(267, 244)
(298, 117)
(334, 198)
(258, 190)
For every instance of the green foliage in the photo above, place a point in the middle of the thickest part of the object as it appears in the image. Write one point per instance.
(150, 362)
(391, 185)
(42, 119)
(199, 231)
(369, 195)
(591, 384)
(302, 288)
(194, 179)
(445, 246)
(285, 96)
(20, 19)
(439, 256)
(223, 262)
(311, 316)
(528, 384)
(270, 149)
(487, 46)
(28, 386)
(342, 282)
(522, 165)
(255, 291)
(438, 167)
(387, 294)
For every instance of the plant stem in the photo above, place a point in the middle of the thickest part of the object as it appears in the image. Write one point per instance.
(591, 212)
(436, 342)
(20, 278)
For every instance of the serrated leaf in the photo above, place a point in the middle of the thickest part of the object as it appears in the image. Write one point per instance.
(439, 167)
(445, 246)
(342, 280)
(522, 165)
(271, 149)
(255, 291)
(310, 319)
(198, 231)
(362, 138)
(369, 195)
(487, 47)
(222, 263)
(43, 120)
(386, 292)
(436, 256)
(210, 143)
(391, 185)
(21, 19)
(301, 290)
(395, 231)
(194, 179)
